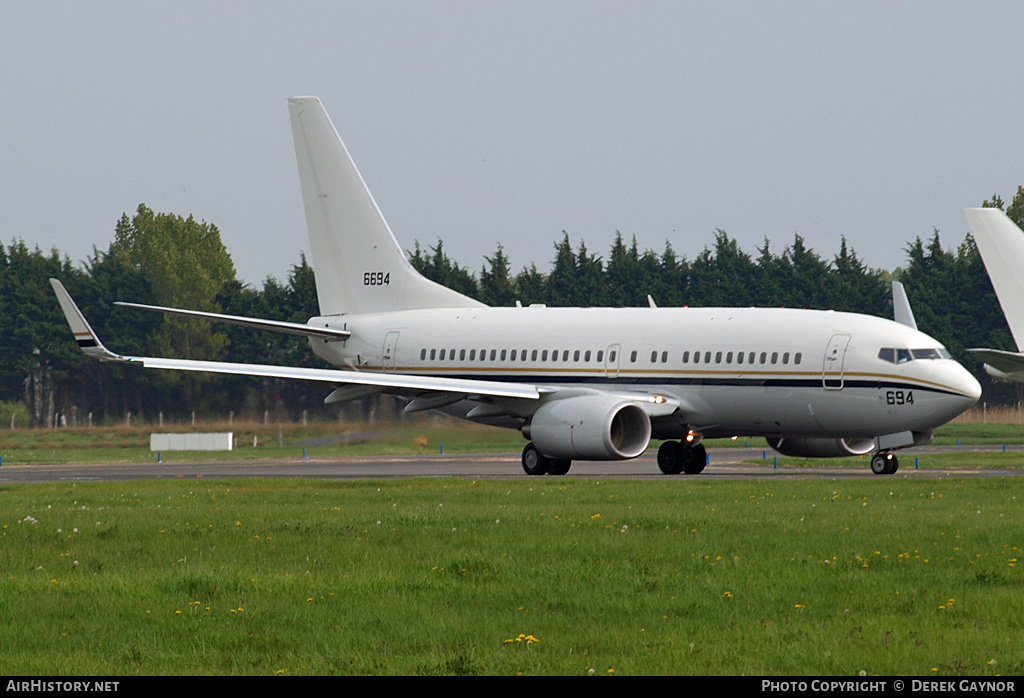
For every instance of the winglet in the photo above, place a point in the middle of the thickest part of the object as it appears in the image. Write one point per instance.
(87, 340)
(901, 306)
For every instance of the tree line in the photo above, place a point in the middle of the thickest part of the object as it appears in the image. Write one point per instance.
(165, 259)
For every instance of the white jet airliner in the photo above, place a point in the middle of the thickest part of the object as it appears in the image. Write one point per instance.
(587, 383)
(1001, 244)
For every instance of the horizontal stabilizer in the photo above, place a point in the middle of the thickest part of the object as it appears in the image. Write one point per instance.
(328, 333)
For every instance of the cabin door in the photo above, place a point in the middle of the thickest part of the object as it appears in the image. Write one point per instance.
(388, 353)
(832, 368)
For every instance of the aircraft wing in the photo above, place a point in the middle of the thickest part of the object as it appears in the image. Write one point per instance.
(430, 388)
(91, 345)
(1003, 361)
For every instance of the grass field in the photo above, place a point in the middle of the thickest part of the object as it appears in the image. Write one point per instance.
(550, 576)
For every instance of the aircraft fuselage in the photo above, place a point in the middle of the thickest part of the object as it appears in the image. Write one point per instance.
(734, 371)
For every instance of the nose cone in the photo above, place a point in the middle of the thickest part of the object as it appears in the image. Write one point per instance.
(960, 381)
(972, 388)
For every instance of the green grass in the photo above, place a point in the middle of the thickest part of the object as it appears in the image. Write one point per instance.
(131, 444)
(534, 576)
(977, 433)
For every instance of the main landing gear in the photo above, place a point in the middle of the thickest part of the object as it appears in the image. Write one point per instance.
(536, 463)
(884, 463)
(675, 457)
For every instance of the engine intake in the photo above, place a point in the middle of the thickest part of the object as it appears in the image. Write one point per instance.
(811, 447)
(590, 427)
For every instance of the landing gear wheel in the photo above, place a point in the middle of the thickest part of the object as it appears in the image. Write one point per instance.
(884, 463)
(533, 462)
(696, 460)
(559, 466)
(671, 457)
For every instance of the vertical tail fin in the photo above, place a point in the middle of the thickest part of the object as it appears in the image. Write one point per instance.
(1001, 244)
(901, 306)
(358, 264)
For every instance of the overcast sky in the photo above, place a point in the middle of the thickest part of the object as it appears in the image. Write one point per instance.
(493, 122)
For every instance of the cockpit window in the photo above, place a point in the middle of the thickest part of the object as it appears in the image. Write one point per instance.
(902, 356)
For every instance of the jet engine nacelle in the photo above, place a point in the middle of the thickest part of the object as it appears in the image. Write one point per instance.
(590, 427)
(810, 447)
